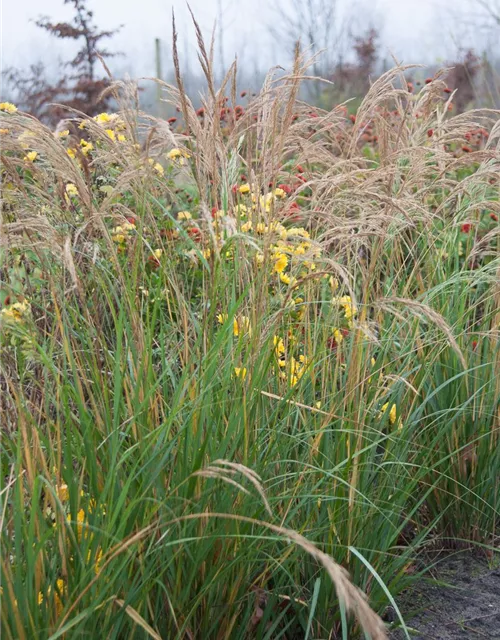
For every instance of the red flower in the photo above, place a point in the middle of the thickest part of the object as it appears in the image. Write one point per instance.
(243, 178)
(243, 94)
(172, 120)
(447, 90)
(352, 118)
(466, 227)
(194, 233)
(466, 149)
(200, 112)
(428, 80)
(285, 188)
(130, 219)
(474, 344)
(494, 217)
(300, 169)
(410, 87)
(430, 133)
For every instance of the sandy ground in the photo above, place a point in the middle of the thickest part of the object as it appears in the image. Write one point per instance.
(468, 606)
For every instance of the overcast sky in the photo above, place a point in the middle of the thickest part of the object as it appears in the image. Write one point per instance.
(412, 30)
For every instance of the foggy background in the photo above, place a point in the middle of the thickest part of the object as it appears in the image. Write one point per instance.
(430, 32)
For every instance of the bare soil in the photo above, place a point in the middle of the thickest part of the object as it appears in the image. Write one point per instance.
(462, 602)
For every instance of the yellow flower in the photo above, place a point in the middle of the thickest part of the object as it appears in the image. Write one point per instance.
(392, 412)
(71, 153)
(281, 263)
(222, 317)
(156, 166)
(80, 523)
(285, 279)
(121, 137)
(279, 345)
(83, 124)
(8, 107)
(279, 193)
(63, 493)
(184, 215)
(240, 210)
(31, 156)
(121, 233)
(60, 591)
(259, 259)
(219, 214)
(298, 231)
(240, 372)
(111, 134)
(244, 188)
(98, 559)
(241, 325)
(71, 189)
(260, 228)
(4, 131)
(350, 310)
(157, 253)
(246, 226)
(178, 155)
(65, 133)
(206, 253)
(15, 312)
(87, 147)
(102, 118)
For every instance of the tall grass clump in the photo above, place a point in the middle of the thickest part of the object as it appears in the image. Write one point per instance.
(243, 357)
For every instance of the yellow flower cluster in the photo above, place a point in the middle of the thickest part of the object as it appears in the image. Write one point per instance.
(60, 591)
(281, 262)
(184, 215)
(16, 312)
(71, 190)
(157, 167)
(265, 201)
(8, 107)
(350, 309)
(31, 156)
(241, 325)
(121, 233)
(291, 369)
(240, 372)
(86, 147)
(392, 412)
(82, 530)
(178, 155)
